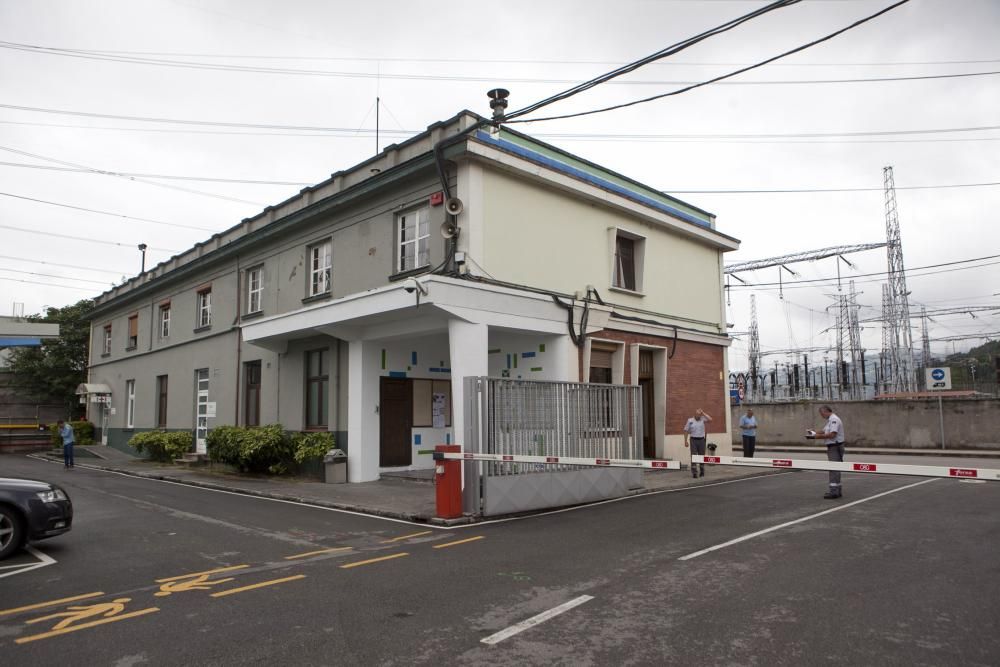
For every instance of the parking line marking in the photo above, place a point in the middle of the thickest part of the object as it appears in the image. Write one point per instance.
(535, 620)
(468, 539)
(83, 626)
(51, 603)
(316, 553)
(346, 566)
(44, 560)
(198, 574)
(805, 518)
(406, 537)
(272, 582)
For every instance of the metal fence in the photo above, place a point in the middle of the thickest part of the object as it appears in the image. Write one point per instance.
(539, 418)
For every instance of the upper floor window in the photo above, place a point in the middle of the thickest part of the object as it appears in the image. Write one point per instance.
(106, 348)
(628, 261)
(319, 268)
(205, 307)
(414, 239)
(165, 320)
(133, 332)
(255, 289)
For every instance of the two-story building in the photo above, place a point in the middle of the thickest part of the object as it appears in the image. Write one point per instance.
(360, 304)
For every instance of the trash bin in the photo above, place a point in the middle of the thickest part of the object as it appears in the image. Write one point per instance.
(335, 463)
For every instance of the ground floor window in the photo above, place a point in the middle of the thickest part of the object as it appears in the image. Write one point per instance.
(317, 389)
(251, 393)
(161, 401)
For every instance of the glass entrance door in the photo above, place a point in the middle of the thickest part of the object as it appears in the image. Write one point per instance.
(201, 410)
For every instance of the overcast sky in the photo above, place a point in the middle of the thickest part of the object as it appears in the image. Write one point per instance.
(776, 128)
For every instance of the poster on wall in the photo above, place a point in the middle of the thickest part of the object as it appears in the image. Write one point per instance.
(437, 411)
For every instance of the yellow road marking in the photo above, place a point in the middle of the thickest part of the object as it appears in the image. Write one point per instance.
(315, 553)
(198, 574)
(406, 537)
(373, 560)
(82, 626)
(272, 582)
(50, 603)
(451, 544)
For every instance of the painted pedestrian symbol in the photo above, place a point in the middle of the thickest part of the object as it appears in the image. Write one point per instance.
(192, 583)
(84, 612)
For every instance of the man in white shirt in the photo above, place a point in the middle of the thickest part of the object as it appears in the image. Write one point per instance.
(694, 436)
(833, 437)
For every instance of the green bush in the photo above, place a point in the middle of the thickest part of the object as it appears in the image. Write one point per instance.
(83, 433)
(223, 444)
(161, 445)
(312, 446)
(252, 448)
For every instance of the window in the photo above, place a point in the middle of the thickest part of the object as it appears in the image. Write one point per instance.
(161, 401)
(251, 393)
(254, 289)
(129, 403)
(319, 268)
(133, 332)
(205, 307)
(624, 263)
(165, 320)
(414, 240)
(432, 403)
(106, 349)
(317, 383)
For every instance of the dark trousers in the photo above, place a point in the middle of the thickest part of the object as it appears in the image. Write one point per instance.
(68, 455)
(749, 442)
(835, 453)
(697, 447)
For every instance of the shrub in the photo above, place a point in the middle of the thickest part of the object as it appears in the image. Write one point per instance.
(83, 432)
(312, 446)
(161, 445)
(223, 444)
(265, 449)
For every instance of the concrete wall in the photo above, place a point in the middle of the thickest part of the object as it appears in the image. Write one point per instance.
(968, 424)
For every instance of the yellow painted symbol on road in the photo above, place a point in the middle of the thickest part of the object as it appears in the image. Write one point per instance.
(83, 612)
(194, 583)
(117, 616)
(198, 574)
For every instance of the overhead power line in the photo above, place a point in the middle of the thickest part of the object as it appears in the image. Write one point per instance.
(81, 238)
(52, 275)
(116, 215)
(67, 266)
(718, 78)
(815, 190)
(659, 55)
(47, 284)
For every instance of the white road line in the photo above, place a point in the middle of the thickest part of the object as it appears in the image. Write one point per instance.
(744, 538)
(44, 560)
(535, 620)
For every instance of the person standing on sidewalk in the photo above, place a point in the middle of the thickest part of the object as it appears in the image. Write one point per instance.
(748, 427)
(66, 432)
(833, 437)
(694, 437)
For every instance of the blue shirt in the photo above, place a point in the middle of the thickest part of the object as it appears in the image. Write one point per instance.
(746, 423)
(67, 434)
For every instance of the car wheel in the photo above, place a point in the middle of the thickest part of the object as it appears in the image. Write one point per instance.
(11, 532)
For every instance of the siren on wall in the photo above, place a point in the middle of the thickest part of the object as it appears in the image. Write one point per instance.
(454, 206)
(449, 230)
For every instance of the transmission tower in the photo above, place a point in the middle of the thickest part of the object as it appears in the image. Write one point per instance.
(898, 316)
(854, 337)
(925, 339)
(754, 346)
(885, 359)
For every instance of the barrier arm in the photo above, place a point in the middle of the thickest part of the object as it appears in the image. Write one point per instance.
(990, 474)
(651, 464)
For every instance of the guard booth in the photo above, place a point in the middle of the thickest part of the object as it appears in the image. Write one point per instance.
(97, 398)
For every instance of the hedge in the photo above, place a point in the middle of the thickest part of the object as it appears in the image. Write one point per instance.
(83, 433)
(162, 445)
(265, 448)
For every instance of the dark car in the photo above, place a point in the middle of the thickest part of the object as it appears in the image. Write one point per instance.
(31, 510)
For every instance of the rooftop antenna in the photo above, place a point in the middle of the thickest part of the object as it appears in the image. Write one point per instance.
(142, 249)
(377, 100)
(498, 102)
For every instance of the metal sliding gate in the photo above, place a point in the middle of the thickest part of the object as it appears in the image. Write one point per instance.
(549, 419)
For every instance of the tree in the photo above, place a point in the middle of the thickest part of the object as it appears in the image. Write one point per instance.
(52, 371)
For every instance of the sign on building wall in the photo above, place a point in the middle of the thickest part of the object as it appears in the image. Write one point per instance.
(938, 379)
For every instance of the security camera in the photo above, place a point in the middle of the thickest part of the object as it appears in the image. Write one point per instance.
(411, 285)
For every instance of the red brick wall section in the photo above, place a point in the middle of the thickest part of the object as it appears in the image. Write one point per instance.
(694, 378)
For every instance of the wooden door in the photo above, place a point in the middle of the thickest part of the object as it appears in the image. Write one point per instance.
(395, 421)
(645, 377)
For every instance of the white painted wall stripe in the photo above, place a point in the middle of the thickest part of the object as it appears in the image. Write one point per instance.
(535, 620)
(838, 508)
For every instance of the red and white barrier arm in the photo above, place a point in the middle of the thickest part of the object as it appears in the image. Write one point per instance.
(851, 466)
(564, 460)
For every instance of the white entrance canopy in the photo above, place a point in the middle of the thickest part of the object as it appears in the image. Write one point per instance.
(92, 388)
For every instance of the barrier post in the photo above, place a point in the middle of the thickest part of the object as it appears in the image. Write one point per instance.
(448, 484)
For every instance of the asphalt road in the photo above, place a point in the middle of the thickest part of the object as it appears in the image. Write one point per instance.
(911, 577)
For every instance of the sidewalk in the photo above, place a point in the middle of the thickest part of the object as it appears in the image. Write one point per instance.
(406, 496)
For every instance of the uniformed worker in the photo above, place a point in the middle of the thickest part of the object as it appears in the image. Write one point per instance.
(694, 436)
(833, 437)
